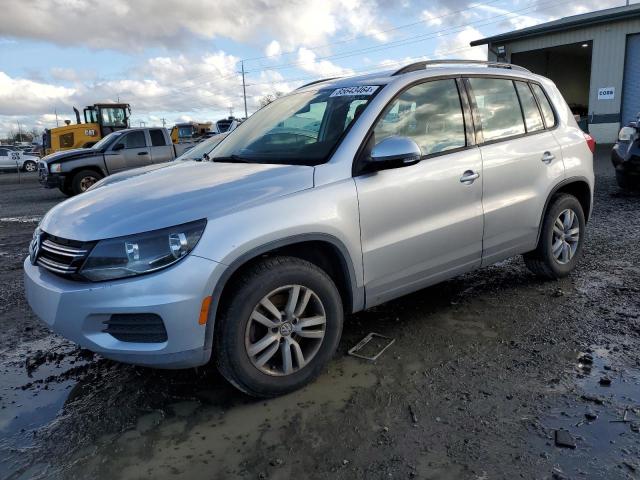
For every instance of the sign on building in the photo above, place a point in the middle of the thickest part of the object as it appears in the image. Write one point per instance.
(606, 93)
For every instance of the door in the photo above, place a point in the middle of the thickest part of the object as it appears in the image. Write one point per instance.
(521, 162)
(130, 151)
(161, 151)
(631, 88)
(9, 159)
(422, 223)
(5, 159)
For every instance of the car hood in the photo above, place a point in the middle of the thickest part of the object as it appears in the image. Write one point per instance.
(65, 155)
(134, 172)
(179, 193)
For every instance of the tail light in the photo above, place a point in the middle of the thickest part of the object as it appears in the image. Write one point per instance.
(591, 143)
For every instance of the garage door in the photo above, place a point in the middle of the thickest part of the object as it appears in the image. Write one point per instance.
(631, 89)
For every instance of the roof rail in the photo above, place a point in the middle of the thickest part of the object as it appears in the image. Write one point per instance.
(414, 67)
(316, 81)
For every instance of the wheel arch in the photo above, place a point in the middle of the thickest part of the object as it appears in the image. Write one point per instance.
(578, 187)
(323, 250)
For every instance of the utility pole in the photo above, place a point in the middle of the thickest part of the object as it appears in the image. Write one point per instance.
(19, 130)
(164, 123)
(244, 92)
(55, 110)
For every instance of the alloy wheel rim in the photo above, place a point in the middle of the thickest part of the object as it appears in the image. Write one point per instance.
(566, 236)
(86, 183)
(285, 330)
(30, 167)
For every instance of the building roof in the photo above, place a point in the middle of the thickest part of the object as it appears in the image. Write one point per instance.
(566, 23)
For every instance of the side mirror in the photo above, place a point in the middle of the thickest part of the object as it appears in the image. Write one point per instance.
(394, 152)
(118, 146)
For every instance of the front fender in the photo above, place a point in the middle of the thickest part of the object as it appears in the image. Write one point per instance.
(90, 162)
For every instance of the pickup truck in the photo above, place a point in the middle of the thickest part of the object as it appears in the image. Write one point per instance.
(75, 171)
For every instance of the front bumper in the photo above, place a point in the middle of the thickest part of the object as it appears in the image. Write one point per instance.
(77, 310)
(626, 160)
(50, 180)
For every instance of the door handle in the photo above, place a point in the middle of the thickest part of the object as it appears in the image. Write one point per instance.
(548, 157)
(143, 153)
(469, 177)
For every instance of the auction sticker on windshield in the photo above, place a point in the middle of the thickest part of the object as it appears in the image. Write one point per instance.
(361, 90)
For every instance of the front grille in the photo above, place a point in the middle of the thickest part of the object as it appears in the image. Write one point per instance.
(136, 327)
(62, 256)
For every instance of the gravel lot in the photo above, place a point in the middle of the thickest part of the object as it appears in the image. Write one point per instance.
(485, 370)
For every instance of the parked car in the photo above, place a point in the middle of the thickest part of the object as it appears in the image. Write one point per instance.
(11, 159)
(75, 171)
(625, 156)
(254, 258)
(199, 153)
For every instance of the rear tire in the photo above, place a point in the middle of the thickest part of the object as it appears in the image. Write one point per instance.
(83, 180)
(252, 341)
(560, 243)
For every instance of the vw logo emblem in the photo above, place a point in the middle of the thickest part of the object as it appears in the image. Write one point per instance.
(34, 247)
(286, 329)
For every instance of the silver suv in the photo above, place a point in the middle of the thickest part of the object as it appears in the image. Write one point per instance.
(342, 195)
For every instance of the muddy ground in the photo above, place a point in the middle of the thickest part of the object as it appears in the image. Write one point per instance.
(484, 370)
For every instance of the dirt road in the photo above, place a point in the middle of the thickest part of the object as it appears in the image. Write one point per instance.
(485, 369)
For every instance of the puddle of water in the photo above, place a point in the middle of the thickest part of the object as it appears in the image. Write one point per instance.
(29, 402)
(213, 434)
(625, 381)
(606, 442)
(24, 219)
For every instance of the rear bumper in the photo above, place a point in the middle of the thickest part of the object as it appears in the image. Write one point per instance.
(78, 310)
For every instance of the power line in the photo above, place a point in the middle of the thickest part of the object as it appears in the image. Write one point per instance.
(412, 39)
(380, 47)
(417, 39)
(369, 35)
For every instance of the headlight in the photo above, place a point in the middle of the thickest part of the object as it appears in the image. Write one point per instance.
(626, 134)
(55, 168)
(142, 253)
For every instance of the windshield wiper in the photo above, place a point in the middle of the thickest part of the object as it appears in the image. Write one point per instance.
(232, 159)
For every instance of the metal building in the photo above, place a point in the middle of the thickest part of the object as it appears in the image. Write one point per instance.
(594, 59)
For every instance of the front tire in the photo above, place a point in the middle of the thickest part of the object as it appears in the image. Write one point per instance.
(30, 166)
(561, 239)
(626, 183)
(279, 328)
(83, 180)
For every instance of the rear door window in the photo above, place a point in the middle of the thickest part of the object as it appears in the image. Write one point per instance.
(532, 117)
(499, 108)
(545, 106)
(157, 138)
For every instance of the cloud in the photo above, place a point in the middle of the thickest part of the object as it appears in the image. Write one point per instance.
(458, 46)
(19, 96)
(200, 87)
(125, 25)
(307, 62)
(273, 49)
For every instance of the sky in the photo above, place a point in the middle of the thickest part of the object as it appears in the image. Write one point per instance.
(178, 61)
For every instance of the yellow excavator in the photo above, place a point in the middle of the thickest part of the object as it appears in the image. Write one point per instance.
(100, 120)
(189, 131)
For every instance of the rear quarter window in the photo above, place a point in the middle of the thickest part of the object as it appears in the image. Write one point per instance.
(545, 105)
(499, 108)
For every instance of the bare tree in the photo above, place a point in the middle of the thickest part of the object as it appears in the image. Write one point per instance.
(268, 98)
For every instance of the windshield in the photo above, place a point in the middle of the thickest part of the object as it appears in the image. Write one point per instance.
(106, 141)
(299, 129)
(202, 148)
